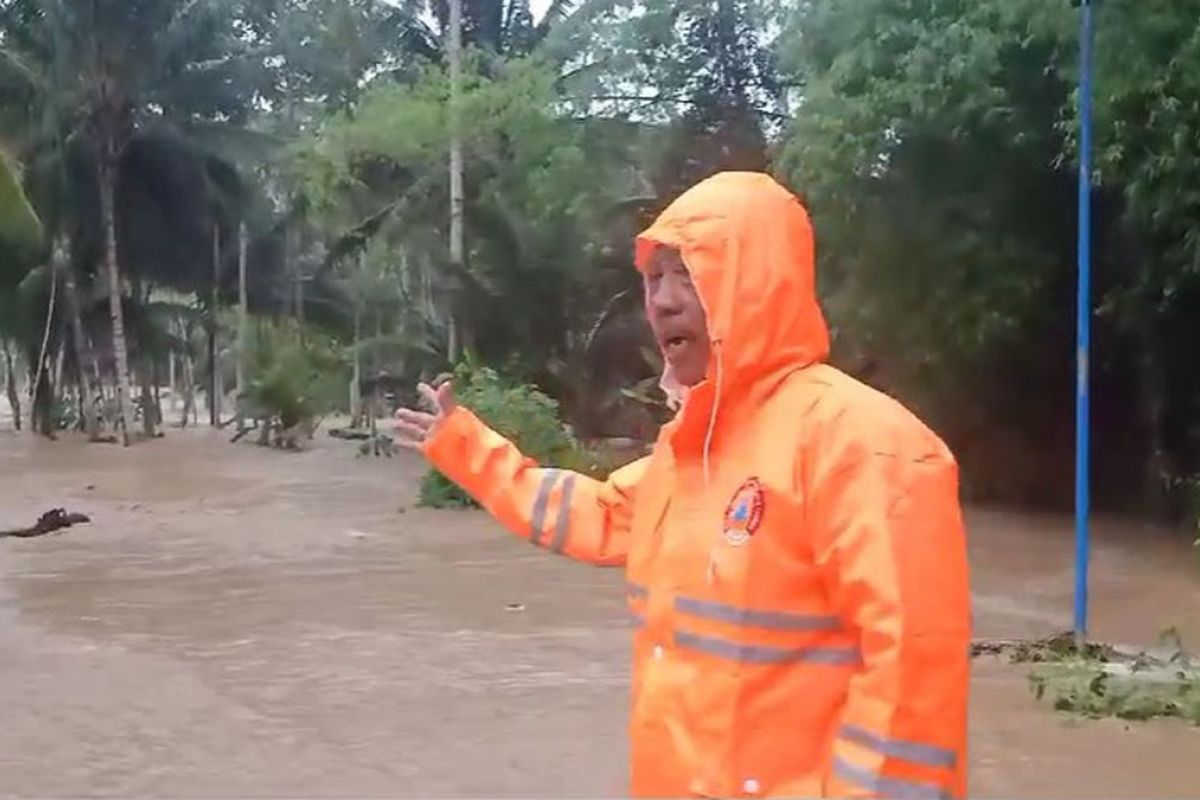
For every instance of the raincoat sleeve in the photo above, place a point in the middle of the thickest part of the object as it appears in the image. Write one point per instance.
(892, 550)
(559, 510)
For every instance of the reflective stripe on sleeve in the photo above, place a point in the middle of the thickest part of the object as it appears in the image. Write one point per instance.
(887, 787)
(914, 752)
(538, 517)
(562, 526)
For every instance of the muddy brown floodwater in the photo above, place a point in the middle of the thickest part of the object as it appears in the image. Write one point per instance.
(240, 622)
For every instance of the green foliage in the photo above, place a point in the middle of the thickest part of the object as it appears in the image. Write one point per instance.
(1105, 683)
(293, 379)
(1094, 690)
(703, 72)
(1056, 648)
(539, 230)
(935, 142)
(951, 103)
(1148, 125)
(932, 139)
(1101, 681)
(928, 148)
(519, 412)
(20, 229)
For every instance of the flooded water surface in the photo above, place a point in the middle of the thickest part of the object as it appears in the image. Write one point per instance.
(240, 622)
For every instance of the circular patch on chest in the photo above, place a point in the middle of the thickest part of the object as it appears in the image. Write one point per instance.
(744, 513)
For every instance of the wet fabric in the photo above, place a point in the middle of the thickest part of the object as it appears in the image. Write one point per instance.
(794, 545)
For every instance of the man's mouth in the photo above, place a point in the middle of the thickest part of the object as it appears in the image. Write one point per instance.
(672, 345)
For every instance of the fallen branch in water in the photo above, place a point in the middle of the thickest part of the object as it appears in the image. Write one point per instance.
(1051, 648)
(353, 434)
(53, 520)
(1105, 680)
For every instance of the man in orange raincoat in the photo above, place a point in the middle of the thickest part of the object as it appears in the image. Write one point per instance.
(794, 545)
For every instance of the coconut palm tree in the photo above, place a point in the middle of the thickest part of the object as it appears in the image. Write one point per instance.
(119, 107)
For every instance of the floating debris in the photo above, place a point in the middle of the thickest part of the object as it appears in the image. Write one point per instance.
(53, 520)
(1106, 681)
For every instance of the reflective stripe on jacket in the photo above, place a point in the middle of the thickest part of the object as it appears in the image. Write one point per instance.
(794, 546)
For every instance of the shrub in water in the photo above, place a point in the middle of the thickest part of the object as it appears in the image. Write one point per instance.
(292, 379)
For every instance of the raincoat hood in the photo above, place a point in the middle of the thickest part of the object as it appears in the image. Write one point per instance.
(748, 244)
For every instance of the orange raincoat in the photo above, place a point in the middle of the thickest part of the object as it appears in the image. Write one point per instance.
(794, 545)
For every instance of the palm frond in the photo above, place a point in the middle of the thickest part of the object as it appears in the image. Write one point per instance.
(20, 228)
(392, 345)
(16, 73)
(555, 33)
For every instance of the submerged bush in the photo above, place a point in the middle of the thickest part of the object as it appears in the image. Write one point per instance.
(291, 379)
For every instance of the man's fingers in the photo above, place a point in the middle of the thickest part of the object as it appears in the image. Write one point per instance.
(410, 444)
(407, 433)
(445, 395)
(416, 417)
(430, 396)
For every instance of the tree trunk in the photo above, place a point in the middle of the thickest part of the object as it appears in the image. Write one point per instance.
(189, 390)
(10, 386)
(300, 298)
(147, 396)
(97, 374)
(154, 377)
(373, 406)
(108, 219)
(59, 358)
(214, 397)
(243, 311)
(452, 341)
(57, 392)
(81, 402)
(356, 380)
(296, 278)
(83, 355)
(1159, 471)
(289, 288)
(456, 165)
(39, 368)
(42, 412)
(220, 395)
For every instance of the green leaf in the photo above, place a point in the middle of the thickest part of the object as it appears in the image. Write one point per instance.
(20, 228)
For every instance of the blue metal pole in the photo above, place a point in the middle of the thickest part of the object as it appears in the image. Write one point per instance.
(1083, 323)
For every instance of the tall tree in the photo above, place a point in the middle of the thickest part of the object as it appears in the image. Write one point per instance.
(935, 141)
(454, 56)
(701, 72)
(929, 148)
(141, 92)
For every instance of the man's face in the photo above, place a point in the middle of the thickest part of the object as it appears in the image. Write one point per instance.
(676, 316)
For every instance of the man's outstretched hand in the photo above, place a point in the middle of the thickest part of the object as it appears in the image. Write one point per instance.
(413, 428)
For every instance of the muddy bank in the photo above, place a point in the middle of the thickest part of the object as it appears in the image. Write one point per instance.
(242, 622)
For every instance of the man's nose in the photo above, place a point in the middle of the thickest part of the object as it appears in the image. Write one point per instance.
(666, 296)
